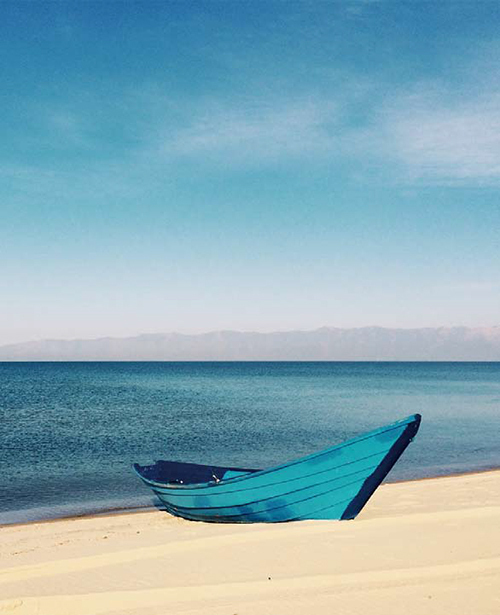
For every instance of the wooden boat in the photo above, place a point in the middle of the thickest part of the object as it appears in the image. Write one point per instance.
(331, 484)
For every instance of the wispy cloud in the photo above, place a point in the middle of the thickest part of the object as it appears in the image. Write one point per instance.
(258, 131)
(68, 126)
(436, 139)
(426, 133)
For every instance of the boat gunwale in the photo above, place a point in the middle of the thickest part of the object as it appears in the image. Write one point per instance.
(200, 486)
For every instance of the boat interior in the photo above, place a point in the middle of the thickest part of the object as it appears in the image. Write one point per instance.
(178, 473)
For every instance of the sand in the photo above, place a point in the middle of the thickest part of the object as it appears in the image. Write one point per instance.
(423, 547)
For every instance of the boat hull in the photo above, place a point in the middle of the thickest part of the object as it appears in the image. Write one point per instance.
(332, 484)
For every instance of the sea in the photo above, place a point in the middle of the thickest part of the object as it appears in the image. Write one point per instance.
(70, 432)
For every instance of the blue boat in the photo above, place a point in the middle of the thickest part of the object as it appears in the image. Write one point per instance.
(331, 484)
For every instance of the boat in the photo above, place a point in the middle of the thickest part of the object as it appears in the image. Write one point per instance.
(334, 483)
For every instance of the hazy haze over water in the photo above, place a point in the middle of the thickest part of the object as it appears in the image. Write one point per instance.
(324, 344)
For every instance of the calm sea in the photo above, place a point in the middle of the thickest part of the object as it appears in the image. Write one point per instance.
(69, 432)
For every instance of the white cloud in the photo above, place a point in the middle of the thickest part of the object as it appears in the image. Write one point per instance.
(435, 136)
(261, 131)
(438, 140)
(428, 133)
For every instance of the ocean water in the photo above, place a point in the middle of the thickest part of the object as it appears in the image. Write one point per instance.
(69, 432)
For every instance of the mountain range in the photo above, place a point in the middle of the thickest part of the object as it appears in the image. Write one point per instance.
(324, 344)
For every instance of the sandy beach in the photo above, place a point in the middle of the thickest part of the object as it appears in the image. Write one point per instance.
(429, 546)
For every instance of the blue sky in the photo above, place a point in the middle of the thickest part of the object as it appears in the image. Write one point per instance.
(193, 166)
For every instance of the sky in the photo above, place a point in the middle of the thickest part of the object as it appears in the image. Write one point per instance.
(194, 166)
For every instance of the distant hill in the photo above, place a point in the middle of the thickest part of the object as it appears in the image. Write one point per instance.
(325, 344)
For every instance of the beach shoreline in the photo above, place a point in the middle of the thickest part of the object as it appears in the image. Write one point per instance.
(112, 511)
(432, 544)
